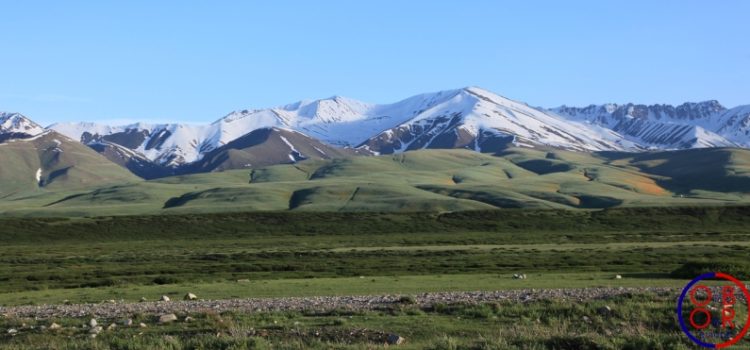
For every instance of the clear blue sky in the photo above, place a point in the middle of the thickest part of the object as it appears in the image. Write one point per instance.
(196, 61)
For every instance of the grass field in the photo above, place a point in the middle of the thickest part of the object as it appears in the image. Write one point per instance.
(282, 254)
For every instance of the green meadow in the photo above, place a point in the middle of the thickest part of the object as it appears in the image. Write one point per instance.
(425, 221)
(284, 254)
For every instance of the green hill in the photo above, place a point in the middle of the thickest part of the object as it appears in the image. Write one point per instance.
(425, 180)
(51, 163)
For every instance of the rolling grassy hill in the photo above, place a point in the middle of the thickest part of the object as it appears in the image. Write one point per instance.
(51, 162)
(425, 180)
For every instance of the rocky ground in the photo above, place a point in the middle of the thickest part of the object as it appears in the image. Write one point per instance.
(114, 309)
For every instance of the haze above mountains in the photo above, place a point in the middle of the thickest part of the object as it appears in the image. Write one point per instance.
(468, 118)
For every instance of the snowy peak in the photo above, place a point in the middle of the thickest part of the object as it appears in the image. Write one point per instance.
(331, 110)
(469, 117)
(689, 125)
(18, 125)
(165, 144)
(481, 120)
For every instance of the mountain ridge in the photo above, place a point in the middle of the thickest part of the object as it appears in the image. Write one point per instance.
(470, 117)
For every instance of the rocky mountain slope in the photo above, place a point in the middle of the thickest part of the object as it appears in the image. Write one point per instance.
(689, 125)
(470, 118)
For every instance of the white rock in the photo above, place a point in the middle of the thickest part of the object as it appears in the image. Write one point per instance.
(167, 318)
(54, 326)
(164, 298)
(93, 323)
(190, 296)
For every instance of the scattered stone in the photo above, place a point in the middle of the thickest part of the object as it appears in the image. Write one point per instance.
(96, 330)
(111, 327)
(54, 326)
(167, 318)
(604, 310)
(164, 298)
(12, 331)
(190, 296)
(394, 339)
(84, 312)
(92, 335)
(66, 302)
(618, 277)
(586, 319)
(127, 323)
(143, 299)
(142, 325)
(111, 301)
(93, 323)
(189, 319)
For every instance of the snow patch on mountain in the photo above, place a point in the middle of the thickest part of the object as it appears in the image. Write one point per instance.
(16, 123)
(689, 125)
(471, 118)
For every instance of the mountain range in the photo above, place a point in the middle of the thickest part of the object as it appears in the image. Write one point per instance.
(469, 118)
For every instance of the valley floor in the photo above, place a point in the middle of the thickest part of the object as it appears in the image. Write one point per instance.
(287, 280)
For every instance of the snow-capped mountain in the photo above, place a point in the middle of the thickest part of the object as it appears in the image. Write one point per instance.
(17, 126)
(345, 122)
(167, 145)
(471, 118)
(690, 125)
(481, 120)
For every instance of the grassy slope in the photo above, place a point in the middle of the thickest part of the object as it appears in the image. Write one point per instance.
(65, 165)
(426, 180)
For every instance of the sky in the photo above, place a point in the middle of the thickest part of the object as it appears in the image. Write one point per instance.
(195, 61)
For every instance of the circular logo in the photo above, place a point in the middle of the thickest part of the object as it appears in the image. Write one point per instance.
(713, 317)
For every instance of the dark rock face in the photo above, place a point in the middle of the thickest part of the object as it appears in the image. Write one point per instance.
(137, 164)
(13, 136)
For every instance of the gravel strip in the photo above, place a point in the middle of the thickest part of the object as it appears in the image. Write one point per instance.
(320, 304)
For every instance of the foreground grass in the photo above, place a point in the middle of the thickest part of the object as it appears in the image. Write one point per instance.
(635, 322)
(126, 252)
(245, 255)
